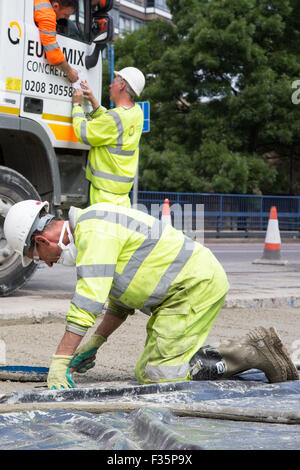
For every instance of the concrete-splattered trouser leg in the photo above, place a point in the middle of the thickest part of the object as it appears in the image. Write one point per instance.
(172, 340)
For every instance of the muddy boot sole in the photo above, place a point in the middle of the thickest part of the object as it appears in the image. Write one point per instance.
(292, 372)
(269, 361)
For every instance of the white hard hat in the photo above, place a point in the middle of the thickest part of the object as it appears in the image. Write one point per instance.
(134, 77)
(22, 219)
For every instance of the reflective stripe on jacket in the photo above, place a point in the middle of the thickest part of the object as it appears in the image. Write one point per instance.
(114, 137)
(129, 257)
(45, 18)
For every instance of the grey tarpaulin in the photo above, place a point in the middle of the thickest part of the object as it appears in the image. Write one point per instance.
(244, 413)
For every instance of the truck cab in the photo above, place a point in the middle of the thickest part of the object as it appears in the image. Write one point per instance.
(40, 156)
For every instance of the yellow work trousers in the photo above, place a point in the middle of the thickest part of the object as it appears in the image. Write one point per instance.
(172, 340)
(98, 195)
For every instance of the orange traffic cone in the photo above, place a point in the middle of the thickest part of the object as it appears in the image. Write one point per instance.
(271, 254)
(166, 214)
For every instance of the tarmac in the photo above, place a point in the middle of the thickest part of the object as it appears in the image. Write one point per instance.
(48, 293)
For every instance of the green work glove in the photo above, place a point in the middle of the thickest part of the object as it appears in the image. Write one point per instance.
(59, 375)
(85, 355)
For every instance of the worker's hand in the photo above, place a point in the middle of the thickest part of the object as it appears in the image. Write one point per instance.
(87, 92)
(77, 96)
(84, 357)
(72, 75)
(59, 375)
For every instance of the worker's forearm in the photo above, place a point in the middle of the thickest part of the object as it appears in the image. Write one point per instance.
(108, 325)
(68, 344)
(70, 341)
(64, 67)
(71, 73)
(95, 104)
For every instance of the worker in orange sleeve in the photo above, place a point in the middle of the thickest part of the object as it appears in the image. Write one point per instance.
(46, 14)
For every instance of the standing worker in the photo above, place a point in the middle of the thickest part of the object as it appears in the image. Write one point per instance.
(46, 13)
(136, 262)
(113, 135)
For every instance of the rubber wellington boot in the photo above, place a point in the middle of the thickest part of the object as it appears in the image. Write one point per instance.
(292, 372)
(254, 351)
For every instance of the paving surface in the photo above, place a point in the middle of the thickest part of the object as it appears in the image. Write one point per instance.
(265, 286)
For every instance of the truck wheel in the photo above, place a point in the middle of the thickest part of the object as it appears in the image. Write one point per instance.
(13, 188)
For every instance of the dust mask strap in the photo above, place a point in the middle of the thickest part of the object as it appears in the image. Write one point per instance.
(62, 234)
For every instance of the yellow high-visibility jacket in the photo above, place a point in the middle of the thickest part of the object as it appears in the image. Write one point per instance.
(114, 137)
(130, 258)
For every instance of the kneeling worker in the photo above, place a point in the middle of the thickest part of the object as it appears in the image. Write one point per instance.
(129, 257)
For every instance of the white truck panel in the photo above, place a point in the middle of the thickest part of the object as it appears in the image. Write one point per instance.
(11, 55)
(26, 73)
(40, 156)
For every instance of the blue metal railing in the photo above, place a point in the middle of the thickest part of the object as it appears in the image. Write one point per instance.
(227, 212)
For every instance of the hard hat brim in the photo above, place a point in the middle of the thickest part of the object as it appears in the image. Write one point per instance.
(26, 261)
(18, 225)
(39, 224)
(136, 89)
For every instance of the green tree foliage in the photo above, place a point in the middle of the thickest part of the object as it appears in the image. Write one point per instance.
(219, 80)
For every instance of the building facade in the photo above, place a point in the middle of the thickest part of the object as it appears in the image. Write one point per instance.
(130, 15)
